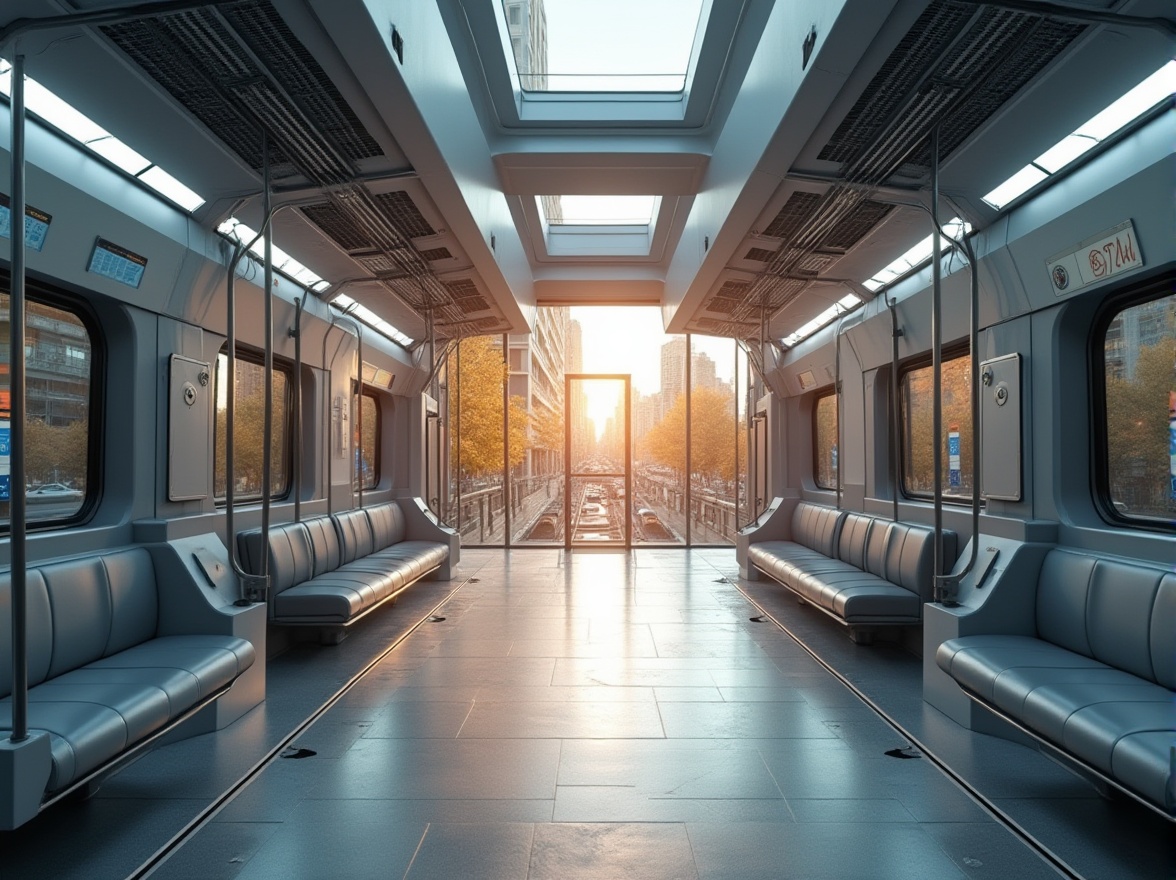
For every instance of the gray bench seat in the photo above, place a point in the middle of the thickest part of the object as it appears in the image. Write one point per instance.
(860, 569)
(100, 678)
(334, 569)
(1098, 681)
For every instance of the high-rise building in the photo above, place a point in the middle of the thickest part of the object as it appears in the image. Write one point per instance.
(526, 21)
(537, 364)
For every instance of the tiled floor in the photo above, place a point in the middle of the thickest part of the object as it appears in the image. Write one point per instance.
(600, 715)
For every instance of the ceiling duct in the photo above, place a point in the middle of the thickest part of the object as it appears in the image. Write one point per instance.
(240, 70)
(957, 65)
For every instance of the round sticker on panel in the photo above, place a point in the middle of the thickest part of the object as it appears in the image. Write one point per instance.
(1061, 278)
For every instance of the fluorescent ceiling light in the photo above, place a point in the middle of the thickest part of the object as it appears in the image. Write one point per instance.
(167, 186)
(602, 46)
(351, 307)
(1156, 88)
(70, 121)
(597, 210)
(1021, 182)
(119, 154)
(845, 304)
(953, 229)
(288, 265)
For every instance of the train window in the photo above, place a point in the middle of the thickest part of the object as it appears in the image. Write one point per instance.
(917, 441)
(249, 421)
(371, 440)
(60, 451)
(1138, 474)
(825, 440)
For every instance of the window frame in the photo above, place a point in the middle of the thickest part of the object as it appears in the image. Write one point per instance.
(825, 394)
(257, 358)
(1100, 485)
(54, 297)
(949, 353)
(358, 392)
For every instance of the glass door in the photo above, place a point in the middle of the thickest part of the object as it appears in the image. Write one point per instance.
(598, 485)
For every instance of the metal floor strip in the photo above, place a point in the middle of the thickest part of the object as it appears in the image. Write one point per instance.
(1045, 853)
(208, 813)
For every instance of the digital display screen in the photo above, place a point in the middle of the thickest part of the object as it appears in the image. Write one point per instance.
(36, 223)
(112, 261)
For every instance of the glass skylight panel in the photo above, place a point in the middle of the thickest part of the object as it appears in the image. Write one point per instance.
(1156, 88)
(597, 210)
(602, 46)
(70, 121)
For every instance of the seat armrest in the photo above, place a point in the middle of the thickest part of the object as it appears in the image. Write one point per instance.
(420, 524)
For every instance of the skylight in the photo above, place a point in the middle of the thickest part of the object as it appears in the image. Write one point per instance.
(81, 128)
(1156, 88)
(597, 210)
(916, 256)
(602, 46)
(287, 265)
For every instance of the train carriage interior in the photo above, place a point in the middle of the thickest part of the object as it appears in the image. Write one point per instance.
(557, 439)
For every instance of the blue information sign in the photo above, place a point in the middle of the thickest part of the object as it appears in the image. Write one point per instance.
(953, 459)
(5, 452)
(113, 261)
(36, 224)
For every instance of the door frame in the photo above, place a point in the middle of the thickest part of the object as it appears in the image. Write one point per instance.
(627, 379)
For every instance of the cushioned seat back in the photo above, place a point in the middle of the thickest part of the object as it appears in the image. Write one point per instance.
(1118, 612)
(290, 555)
(1163, 633)
(851, 544)
(355, 535)
(80, 611)
(877, 547)
(387, 524)
(910, 558)
(324, 542)
(816, 527)
(40, 630)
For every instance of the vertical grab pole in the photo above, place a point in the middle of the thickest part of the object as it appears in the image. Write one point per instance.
(506, 440)
(936, 365)
(735, 522)
(297, 334)
(359, 413)
(628, 462)
(267, 429)
(567, 486)
(16, 349)
(689, 436)
(894, 405)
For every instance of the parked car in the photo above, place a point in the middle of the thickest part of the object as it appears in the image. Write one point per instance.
(54, 492)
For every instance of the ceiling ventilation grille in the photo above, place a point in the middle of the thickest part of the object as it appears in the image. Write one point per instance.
(435, 254)
(758, 255)
(402, 210)
(958, 64)
(462, 288)
(956, 53)
(240, 70)
(792, 216)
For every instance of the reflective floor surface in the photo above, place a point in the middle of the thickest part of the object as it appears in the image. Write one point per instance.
(600, 715)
